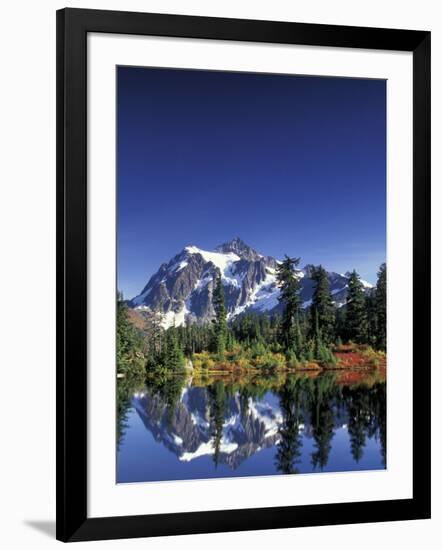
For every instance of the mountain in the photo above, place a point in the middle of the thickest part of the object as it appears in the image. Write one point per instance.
(182, 288)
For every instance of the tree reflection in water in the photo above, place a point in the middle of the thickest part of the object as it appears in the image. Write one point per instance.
(289, 447)
(231, 420)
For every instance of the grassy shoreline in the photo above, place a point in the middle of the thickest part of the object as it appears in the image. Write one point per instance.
(349, 356)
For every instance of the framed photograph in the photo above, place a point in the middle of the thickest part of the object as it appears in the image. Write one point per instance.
(243, 285)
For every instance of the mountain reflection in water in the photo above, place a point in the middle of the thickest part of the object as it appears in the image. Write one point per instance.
(175, 428)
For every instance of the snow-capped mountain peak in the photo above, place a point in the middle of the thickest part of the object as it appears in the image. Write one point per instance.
(182, 289)
(238, 247)
(221, 260)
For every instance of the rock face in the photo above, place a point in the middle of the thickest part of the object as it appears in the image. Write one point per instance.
(182, 289)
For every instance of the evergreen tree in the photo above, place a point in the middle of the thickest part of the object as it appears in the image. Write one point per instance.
(381, 308)
(130, 349)
(340, 326)
(322, 309)
(230, 340)
(123, 336)
(173, 358)
(221, 317)
(290, 288)
(356, 312)
(156, 339)
(372, 319)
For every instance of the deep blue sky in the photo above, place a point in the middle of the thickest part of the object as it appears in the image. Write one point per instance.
(291, 164)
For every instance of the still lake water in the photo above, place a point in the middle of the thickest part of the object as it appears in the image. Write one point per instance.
(175, 428)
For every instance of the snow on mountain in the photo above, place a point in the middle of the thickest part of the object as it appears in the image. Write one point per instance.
(182, 289)
(221, 260)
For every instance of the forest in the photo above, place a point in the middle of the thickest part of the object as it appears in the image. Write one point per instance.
(321, 336)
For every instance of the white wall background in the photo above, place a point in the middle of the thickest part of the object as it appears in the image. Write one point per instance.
(27, 274)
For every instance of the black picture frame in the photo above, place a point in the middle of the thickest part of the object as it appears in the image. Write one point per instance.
(73, 25)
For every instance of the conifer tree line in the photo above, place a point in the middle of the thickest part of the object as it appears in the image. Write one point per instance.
(300, 334)
(312, 333)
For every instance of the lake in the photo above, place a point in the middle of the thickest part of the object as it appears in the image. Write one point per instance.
(173, 428)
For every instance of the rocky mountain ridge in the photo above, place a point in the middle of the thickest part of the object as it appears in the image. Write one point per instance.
(182, 289)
